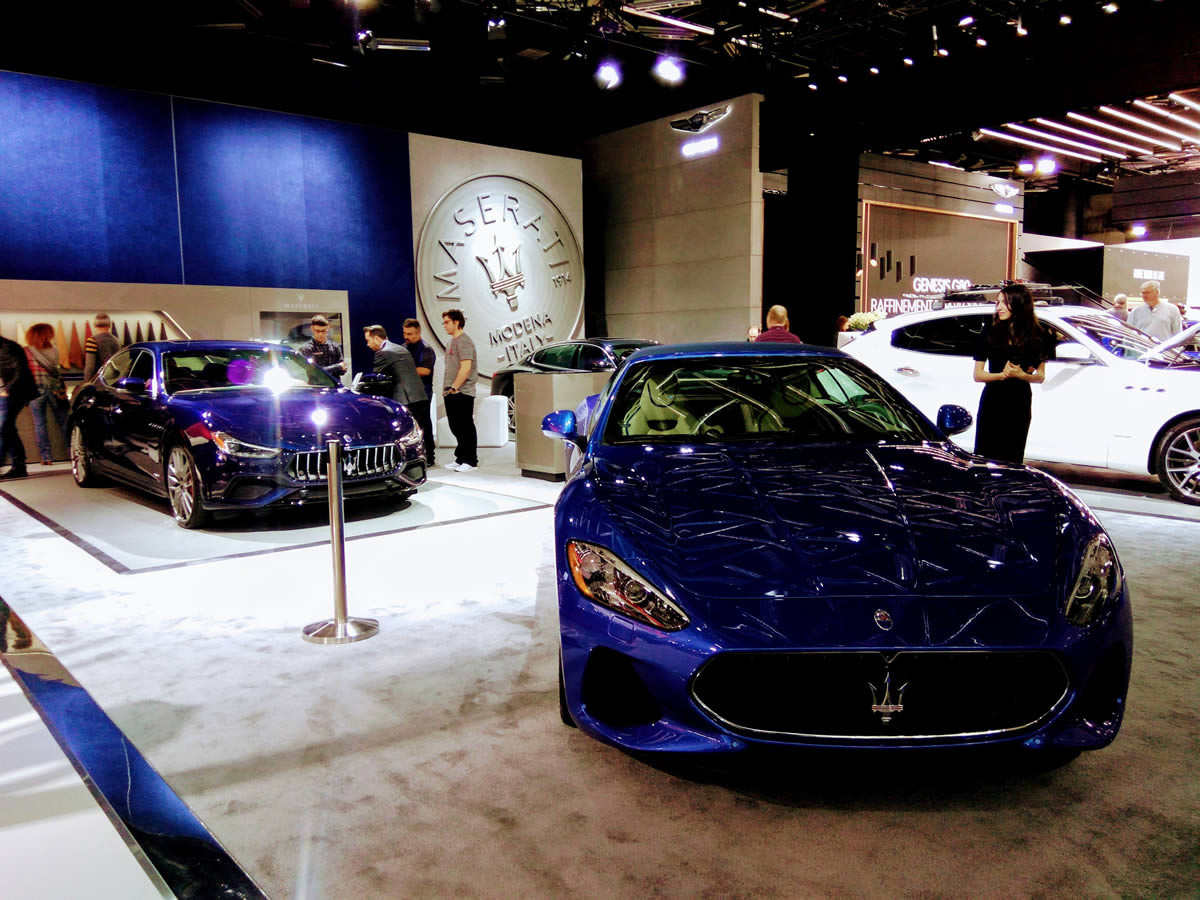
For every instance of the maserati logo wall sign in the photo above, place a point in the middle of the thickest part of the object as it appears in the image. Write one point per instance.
(498, 248)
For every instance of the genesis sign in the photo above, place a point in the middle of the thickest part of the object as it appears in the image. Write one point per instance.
(498, 248)
(924, 291)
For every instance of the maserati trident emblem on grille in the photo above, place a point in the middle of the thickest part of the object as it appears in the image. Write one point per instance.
(883, 619)
(885, 705)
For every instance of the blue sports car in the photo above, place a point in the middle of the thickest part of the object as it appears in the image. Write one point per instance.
(766, 544)
(236, 425)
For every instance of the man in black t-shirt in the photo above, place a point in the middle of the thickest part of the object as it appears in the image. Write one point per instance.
(322, 352)
(424, 359)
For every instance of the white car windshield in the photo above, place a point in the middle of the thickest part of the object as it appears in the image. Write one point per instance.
(1123, 340)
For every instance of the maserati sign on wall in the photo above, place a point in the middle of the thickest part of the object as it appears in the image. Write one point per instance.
(497, 248)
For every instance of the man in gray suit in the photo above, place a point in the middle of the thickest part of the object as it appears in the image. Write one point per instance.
(395, 360)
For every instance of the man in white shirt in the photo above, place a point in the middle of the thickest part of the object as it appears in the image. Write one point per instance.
(1160, 320)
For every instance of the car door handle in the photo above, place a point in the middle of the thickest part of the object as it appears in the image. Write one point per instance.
(905, 370)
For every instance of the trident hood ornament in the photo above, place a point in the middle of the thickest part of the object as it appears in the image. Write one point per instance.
(885, 705)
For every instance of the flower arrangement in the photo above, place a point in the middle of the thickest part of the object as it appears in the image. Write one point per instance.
(860, 320)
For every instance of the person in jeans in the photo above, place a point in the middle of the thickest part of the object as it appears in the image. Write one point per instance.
(16, 390)
(51, 392)
(458, 387)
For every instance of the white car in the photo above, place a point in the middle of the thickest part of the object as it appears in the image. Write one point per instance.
(1113, 397)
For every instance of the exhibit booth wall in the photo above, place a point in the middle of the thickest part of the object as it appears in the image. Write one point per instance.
(682, 236)
(116, 186)
(490, 220)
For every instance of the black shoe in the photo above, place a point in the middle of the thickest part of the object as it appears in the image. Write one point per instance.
(14, 472)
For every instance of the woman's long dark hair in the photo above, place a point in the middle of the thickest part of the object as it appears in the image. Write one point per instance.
(1022, 325)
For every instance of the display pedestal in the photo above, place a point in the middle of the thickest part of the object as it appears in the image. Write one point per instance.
(537, 395)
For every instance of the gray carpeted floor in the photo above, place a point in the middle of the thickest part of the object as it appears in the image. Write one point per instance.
(430, 762)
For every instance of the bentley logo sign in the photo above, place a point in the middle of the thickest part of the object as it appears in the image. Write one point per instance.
(499, 249)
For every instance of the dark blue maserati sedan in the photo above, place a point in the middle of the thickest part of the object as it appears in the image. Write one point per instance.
(236, 425)
(765, 544)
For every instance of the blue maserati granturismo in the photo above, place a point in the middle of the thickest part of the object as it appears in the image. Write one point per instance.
(765, 544)
(235, 425)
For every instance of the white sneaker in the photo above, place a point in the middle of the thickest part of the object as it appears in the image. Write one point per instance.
(466, 467)
(453, 467)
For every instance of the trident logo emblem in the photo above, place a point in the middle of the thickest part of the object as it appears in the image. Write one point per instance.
(504, 275)
(885, 705)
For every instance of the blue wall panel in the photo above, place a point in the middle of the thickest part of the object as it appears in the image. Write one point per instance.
(87, 183)
(88, 193)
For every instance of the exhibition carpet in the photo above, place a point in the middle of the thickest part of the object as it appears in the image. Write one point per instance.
(429, 761)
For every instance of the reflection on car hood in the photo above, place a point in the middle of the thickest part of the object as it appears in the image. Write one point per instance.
(833, 520)
(1174, 341)
(260, 416)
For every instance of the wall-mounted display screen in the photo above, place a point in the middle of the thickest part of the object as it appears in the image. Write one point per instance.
(912, 256)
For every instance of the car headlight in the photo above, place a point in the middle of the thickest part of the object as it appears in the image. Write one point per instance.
(606, 580)
(230, 445)
(1100, 578)
(413, 439)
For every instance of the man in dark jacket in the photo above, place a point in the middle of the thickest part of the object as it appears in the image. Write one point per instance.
(424, 359)
(395, 360)
(322, 352)
(17, 388)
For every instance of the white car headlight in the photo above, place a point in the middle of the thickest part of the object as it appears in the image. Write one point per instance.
(1099, 580)
(606, 580)
(227, 443)
(413, 439)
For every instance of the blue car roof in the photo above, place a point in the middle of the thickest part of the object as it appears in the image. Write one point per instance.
(161, 346)
(732, 348)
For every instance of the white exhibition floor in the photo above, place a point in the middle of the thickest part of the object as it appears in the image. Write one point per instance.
(331, 771)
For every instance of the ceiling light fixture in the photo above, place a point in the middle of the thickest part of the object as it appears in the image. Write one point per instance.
(1138, 230)
(1064, 19)
(1184, 101)
(1024, 129)
(908, 61)
(812, 85)
(1021, 29)
(608, 74)
(1025, 167)
(420, 45)
(667, 20)
(1121, 114)
(1046, 165)
(1096, 123)
(980, 42)
(1145, 151)
(669, 70)
(966, 21)
(1110, 8)
(843, 79)
(1011, 138)
(873, 70)
(1150, 107)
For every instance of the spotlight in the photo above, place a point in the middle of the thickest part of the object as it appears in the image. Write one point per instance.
(496, 27)
(669, 70)
(980, 42)
(1138, 230)
(1021, 29)
(966, 21)
(812, 86)
(1025, 167)
(1064, 19)
(1110, 8)
(873, 70)
(1046, 165)
(608, 74)
(942, 51)
(843, 79)
(908, 61)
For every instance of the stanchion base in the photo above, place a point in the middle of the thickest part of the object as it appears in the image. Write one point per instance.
(331, 632)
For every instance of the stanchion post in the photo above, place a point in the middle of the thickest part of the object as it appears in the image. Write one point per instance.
(340, 629)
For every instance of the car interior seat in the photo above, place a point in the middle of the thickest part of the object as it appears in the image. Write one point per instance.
(659, 412)
(215, 374)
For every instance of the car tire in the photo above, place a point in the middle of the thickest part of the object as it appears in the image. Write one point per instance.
(184, 488)
(563, 711)
(508, 393)
(81, 459)
(1177, 462)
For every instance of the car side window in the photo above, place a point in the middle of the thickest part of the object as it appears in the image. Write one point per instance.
(116, 368)
(592, 358)
(143, 367)
(949, 336)
(559, 357)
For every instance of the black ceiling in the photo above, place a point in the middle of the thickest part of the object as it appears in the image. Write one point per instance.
(533, 86)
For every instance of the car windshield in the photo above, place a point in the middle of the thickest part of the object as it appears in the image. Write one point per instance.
(240, 368)
(759, 398)
(621, 349)
(1123, 340)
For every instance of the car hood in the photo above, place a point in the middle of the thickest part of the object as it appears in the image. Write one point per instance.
(260, 416)
(1172, 342)
(838, 520)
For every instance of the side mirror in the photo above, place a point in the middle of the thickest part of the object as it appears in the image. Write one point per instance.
(131, 385)
(953, 419)
(1072, 351)
(560, 426)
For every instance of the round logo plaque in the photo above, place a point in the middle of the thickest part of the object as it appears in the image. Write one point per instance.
(497, 248)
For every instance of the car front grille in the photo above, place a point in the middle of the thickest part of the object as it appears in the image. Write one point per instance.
(312, 466)
(872, 696)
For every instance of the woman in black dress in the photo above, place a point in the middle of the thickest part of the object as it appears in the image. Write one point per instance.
(1011, 355)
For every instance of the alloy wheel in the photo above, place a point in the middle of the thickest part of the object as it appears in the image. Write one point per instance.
(80, 466)
(1181, 462)
(181, 485)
